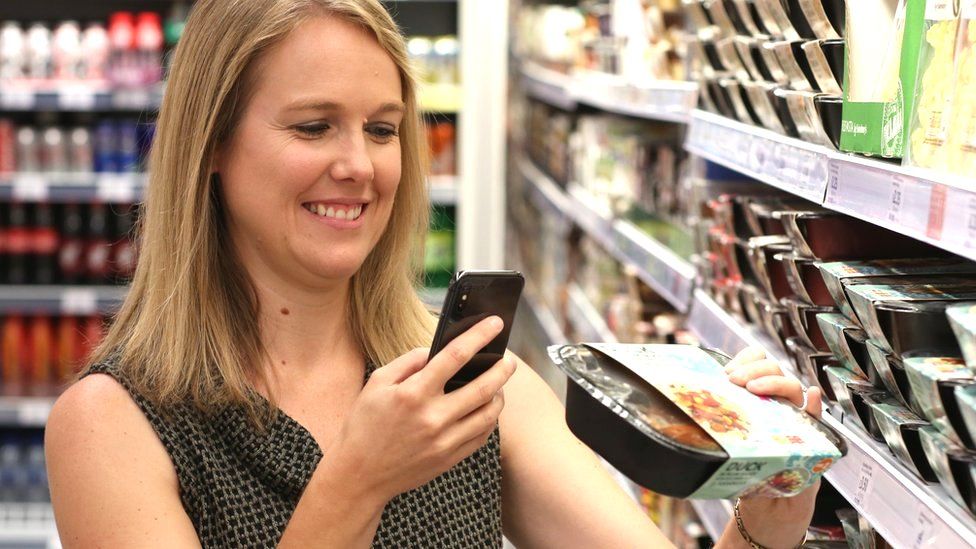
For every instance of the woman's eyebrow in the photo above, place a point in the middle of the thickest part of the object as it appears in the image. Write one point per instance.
(321, 105)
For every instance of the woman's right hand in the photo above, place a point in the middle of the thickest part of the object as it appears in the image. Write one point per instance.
(403, 430)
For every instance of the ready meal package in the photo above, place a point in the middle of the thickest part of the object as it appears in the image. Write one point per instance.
(962, 129)
(929, 126)
(881, 67)
(668, 417)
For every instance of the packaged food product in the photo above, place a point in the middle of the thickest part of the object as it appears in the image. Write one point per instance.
(668, 418)
(906, 318)
(962, 318)
(900, 428)
(891, 371)
(962, 128)
(883, 39)
(934, 379)
(848, 342)
(828, 236)
(852, 392)
(929, 126)
(953, 466)
(836, 273)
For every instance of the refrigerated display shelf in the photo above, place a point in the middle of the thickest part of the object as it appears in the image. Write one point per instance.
(25, 411)
(81, 98)
(28, 526)
(935, 208)
(113, 188)
(586, 321)
(66, 300)
(663, 100)
(443, 189)
(714, 515)
(657, 266)
(905, 510)
(434, 98)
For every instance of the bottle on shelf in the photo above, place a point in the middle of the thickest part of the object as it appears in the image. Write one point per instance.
(12, 52)
(149, 46)
(44, 264)
(17, 244)
(39, 55)
(71, 253)
(98, 248)
(95, 52)
(67, 54)
(40, 366)
(122, 65)
(13, 353)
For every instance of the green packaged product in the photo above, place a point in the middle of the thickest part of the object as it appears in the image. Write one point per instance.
(881, 67)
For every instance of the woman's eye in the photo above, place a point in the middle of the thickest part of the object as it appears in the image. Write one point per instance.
(311, 130)
(383, 133)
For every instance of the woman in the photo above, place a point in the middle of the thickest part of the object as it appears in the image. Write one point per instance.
(234, 401)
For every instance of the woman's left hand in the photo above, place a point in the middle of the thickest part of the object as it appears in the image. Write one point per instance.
(773, 522)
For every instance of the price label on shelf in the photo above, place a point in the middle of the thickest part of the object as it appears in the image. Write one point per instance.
(971, 222)
(30, 188)
(76, 98)
(925, 527)
(895, 200)
(33, 412)
(115, 188)
(79, 301)
(937, 207)
(865, 483)
(17, 99)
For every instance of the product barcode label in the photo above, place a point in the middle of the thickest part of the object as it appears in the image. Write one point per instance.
(925, 527)
(896, 199)
(865, 482)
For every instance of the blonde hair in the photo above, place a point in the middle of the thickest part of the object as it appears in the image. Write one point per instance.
(188, 329)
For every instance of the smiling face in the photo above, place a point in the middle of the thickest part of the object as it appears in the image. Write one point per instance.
(310, 172)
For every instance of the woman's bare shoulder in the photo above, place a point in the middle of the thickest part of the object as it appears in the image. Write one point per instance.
(96, 416)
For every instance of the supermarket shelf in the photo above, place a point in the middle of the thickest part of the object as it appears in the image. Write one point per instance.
(115, 188)
(544, 319)
(656, 265)
(788, 164)
(663, 100)
(443, 190)
(906, 511)
(935, 208)
(548, 86)
(714, 514)
(81, 98)
(25, 411)
(68, 300)
(128, 188)
(585, 319)
(28, 526)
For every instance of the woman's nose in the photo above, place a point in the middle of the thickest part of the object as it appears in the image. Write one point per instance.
(353, 163)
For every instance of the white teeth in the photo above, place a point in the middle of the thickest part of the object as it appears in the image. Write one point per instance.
(336, 213)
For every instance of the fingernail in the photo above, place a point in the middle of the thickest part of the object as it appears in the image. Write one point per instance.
(736, 378)
(496, 322)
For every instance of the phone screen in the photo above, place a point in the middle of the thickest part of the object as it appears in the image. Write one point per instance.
(472, 297)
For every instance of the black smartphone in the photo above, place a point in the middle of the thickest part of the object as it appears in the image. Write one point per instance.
(472, 297)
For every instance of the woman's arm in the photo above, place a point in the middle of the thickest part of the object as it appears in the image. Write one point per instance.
(112, 482)
(557, 494)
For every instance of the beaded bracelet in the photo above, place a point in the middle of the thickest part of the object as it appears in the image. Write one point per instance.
(747, 537)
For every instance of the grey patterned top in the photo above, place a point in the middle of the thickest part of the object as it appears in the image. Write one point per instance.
(240, 487)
